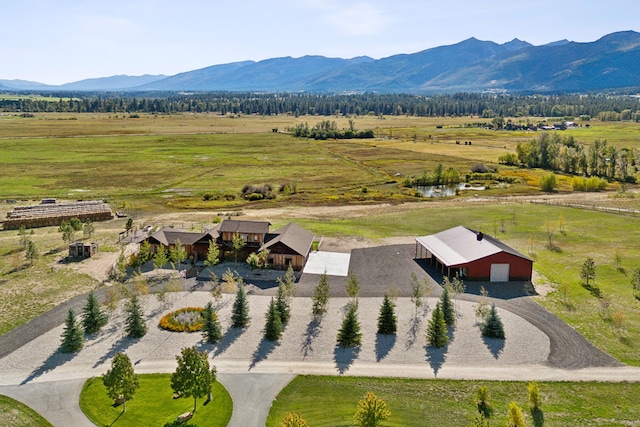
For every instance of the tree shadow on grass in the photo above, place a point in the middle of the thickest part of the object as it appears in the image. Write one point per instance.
(412, 333)
(538, 417)
(313, 330)
(344, 357)
(119, 346)
(384, 344)
(227, 340)
(263, 351)
(55, 359)
(593, 290)
(494, 345)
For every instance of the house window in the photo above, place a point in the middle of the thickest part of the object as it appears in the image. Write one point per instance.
(288, 261)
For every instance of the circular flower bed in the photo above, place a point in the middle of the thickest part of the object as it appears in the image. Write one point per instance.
(187, 319)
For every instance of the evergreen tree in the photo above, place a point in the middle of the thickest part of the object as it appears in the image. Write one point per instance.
(72, 337)
(283, 304)
(493, 327)
(240, 313)
(93, 318)
(320, 298)
(437, 328)
(120, 381)
(588, 271)
(144, 254)
(211, 329)
(535, 400)
(135, 326)
(387, 320)
(447, 308)
(273, 327)
(349, 334)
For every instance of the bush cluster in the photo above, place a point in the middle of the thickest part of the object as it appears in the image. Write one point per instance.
(174, 322)
(258, 192)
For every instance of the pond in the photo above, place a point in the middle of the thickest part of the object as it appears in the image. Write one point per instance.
(446, 190)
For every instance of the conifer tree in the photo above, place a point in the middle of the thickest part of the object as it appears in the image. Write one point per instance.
(353, 288)
(447, 308)
(437, 328)
(516, 418)
(493, 327)
(240, 312)
(349, 334)
(273, 326)
(135, 326)
(321, 295)
(72, 337)
(371, 411)
(211, 329)
(387, 320)
(283, 305)
(93, 318)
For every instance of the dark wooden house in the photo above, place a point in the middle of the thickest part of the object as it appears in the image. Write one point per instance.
(289, 246)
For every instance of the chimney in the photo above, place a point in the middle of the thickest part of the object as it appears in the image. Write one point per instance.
(479, 236)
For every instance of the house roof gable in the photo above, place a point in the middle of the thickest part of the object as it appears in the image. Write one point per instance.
(294, 237)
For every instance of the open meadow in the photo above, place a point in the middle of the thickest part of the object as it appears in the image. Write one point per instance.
(190, 169)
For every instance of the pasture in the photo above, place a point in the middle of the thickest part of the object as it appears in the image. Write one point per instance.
(332, 401)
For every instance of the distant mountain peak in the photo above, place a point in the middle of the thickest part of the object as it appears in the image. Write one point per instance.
(516, 44)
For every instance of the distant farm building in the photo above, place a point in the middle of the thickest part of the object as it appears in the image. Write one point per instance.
(50, 214)
(81, 250)
(473, 255)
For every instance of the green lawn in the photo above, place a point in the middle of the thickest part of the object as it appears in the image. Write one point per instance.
(16, 414)
(153, 405)
(332, 401)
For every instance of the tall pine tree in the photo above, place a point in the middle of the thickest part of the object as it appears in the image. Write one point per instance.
(283, 304)
(240, 313)
(387, 320)
(72, 337)
(493, 327)
(211, 329)
(447, 308)
(349, 334)
(93, 318)
(437, 328)
(135, 327)
(273, 326)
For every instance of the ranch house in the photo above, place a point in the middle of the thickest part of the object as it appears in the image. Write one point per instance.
(473, 255)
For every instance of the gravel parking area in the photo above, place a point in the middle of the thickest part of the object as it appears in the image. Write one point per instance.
(304, 341)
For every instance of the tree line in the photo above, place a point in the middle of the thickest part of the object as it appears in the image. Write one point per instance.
(566, 154)
(603, 106)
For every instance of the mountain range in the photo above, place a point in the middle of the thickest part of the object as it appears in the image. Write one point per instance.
(472, 65)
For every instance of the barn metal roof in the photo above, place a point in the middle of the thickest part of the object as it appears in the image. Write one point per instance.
(460, 245)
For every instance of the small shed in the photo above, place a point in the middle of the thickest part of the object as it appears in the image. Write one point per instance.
(82, 250)
(473, 255)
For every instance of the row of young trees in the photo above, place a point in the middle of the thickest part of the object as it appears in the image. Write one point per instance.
(604, 106)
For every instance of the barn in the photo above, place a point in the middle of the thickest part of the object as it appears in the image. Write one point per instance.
(473, 255)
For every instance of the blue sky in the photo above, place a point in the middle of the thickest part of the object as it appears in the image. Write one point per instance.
(59, 41)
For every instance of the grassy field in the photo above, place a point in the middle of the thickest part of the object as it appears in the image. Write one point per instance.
(152, 405)
(16, 414)
(332, 401)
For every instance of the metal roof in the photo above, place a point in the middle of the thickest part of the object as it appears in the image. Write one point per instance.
(460, 245)
(168, 236)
